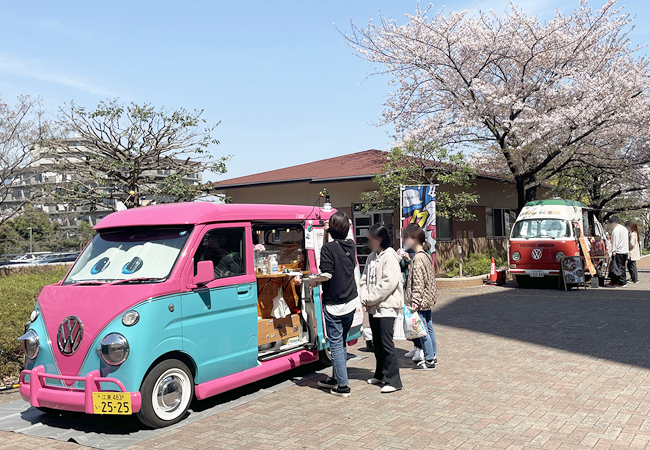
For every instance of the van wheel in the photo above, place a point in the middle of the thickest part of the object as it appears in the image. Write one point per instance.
(325, 357)
(166, 392)
(524, 281)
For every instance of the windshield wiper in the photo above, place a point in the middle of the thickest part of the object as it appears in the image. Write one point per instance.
(138, 280)
(87, 283)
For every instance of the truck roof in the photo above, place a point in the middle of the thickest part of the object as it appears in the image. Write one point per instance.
(557, 201)
(192, 213)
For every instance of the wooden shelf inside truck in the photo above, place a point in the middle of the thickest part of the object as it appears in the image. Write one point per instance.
(270, 329)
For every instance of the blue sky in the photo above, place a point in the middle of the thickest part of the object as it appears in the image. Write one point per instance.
(275, 73)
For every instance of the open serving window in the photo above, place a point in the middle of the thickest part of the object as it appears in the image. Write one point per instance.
(280, 262)
(282, 242)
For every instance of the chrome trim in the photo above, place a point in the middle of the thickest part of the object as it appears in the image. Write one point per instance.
(107, 345)
(32, 336)
(137, 317)
(70, 334)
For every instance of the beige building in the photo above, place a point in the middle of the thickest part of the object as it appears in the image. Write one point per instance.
(346, 177)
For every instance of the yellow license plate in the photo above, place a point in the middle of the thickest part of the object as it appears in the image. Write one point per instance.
(112, 403)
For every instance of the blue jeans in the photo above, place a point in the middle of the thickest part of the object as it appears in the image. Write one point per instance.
(428, 343)
(337, 328)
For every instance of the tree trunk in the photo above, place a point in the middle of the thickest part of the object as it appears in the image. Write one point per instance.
(521, 193)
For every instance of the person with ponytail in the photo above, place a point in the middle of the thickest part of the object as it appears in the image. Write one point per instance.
(420, 292)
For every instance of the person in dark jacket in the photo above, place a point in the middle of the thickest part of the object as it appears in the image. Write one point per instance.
(340, 297)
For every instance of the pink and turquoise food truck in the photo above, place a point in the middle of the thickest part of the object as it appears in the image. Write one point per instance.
(173, 302)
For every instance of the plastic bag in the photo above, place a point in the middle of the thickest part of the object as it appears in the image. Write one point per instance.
(280, 308)
(398, 332)
(413, 324)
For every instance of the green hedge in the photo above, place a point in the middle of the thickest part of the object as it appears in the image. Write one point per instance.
(476, 264)
(18, 294)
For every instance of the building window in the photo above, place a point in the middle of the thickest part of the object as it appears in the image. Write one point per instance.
(443, 228)
(362, 222)
(496, 222)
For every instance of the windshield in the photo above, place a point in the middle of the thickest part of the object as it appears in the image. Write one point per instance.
(541, 228)
(145, 254)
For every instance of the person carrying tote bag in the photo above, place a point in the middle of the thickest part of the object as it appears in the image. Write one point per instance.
(420, 292)
(382, 293)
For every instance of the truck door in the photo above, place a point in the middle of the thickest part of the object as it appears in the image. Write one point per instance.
(220, 318)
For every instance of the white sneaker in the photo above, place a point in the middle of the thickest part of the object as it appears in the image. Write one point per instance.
(418, 356)
(388, 389)
(412, 352)
(374, 381)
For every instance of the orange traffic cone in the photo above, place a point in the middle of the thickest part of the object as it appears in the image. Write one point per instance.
(493, 271)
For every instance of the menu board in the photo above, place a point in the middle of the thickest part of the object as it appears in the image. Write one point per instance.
(571, 270)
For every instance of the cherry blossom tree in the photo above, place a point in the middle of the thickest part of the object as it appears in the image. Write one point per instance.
(528, 94)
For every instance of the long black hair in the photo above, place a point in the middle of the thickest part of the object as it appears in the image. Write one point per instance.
(379, 232)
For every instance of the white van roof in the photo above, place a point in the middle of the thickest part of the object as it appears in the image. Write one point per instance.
(552, 209)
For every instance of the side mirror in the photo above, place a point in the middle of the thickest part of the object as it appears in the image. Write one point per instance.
(576, 231)
(204, 273)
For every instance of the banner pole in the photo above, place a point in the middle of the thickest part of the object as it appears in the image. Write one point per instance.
(401, 212)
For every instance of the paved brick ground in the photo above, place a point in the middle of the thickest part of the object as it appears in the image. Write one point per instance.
(518, 369)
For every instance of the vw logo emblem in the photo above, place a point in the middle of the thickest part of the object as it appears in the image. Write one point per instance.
(70, 333)
(536, 254)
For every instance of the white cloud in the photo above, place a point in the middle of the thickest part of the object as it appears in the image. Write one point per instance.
(39, 71)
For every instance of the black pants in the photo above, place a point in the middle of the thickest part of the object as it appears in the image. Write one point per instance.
(387, 365)
(617, 268)
(631, 267)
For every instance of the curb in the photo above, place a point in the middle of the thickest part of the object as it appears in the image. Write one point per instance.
(460, 283)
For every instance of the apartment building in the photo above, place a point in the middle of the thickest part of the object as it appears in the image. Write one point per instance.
(43, 176)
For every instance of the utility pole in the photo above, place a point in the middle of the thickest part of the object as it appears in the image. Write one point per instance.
(30, 239)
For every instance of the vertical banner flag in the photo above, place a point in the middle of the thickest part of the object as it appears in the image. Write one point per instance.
(418, 206)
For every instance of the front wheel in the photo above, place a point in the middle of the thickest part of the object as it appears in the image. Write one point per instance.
(166, 392)
(524, 281)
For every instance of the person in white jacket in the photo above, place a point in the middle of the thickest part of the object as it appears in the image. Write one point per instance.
(620, 249)
(382, 293)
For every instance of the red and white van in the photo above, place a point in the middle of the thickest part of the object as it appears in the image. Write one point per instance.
(547, 230)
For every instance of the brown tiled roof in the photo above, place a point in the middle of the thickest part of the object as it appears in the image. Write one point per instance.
(364, 164)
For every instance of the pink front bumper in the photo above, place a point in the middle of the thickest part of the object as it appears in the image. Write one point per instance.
(39, 394)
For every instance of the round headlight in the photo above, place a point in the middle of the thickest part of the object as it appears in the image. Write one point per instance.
(559, 256)
(30, 343)
(34, 315)
(115, 349)
(516, 256)
(130, 318)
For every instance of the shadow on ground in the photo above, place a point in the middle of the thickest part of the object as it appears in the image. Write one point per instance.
(606, 323)
(122, 425)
